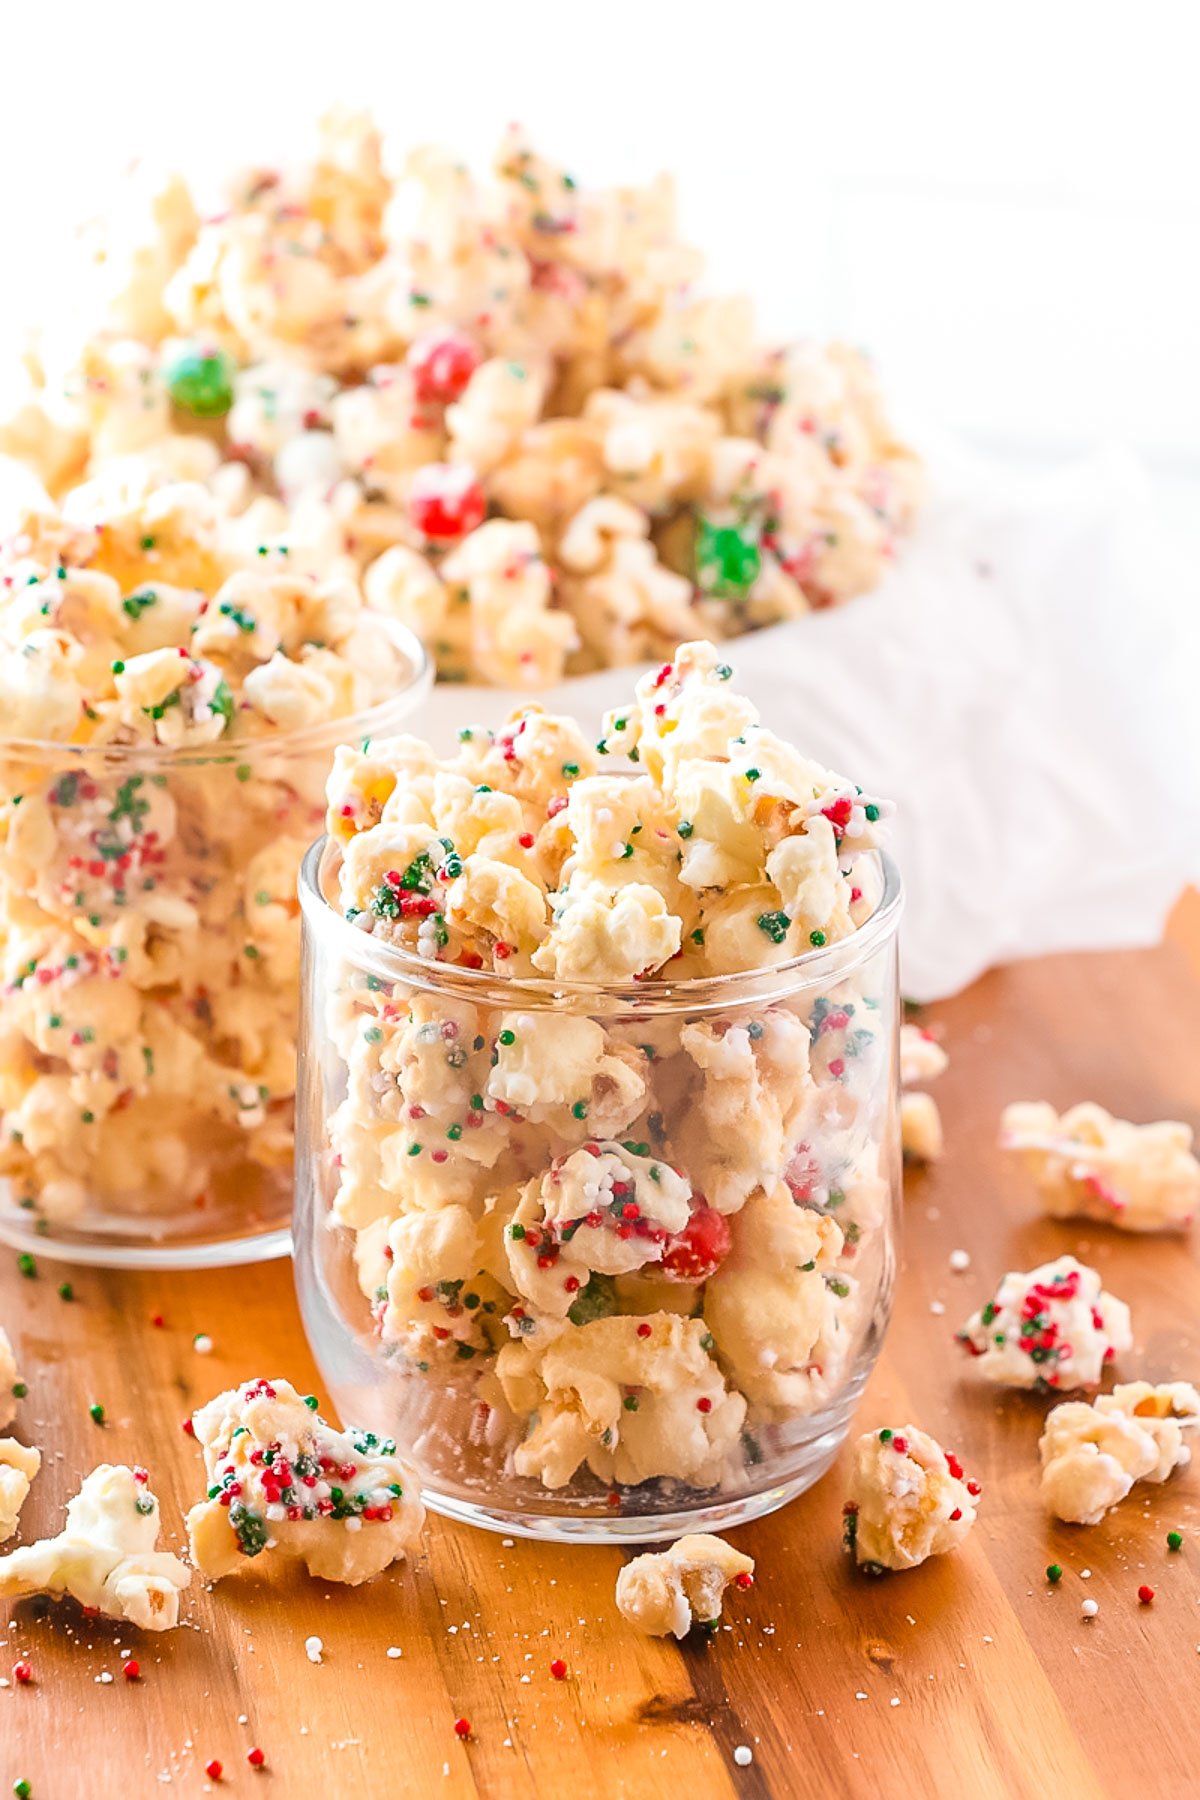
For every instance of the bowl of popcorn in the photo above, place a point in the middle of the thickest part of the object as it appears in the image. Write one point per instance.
(598, 1151)
(172, 691)
(504, 401)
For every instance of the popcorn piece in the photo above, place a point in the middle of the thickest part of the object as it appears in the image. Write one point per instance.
(574, 1381)
(921, 1135)
(604, 934)
(18, 1467)
(1086, 1164)
(676, 1588)
(1050, 1328)
(1093, 1454)
(921, 1056)
(106, 1557)
(282, 1479)
(9, 1380)
(908, 1500)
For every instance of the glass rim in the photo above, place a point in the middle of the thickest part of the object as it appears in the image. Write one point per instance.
(328, 733)
(811, 968)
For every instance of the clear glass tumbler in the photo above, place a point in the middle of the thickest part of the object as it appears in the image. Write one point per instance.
(150, 945)
(608, 1263)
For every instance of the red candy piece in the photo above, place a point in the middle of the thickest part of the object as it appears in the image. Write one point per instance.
(703, 1244)
(1145, 1595)
(256, 1757)
(131, 1669)
(441, 364)
(446, 501)
(558, 1669)
(462, 1728)
(22, 1672)
(214, 1769)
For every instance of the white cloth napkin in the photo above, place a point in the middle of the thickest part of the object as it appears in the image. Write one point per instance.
(1023, 685)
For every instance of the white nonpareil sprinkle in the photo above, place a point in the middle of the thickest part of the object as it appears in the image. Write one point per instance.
(1085, 1574)
(313, 1648)
(860, 1695)
(743, 1756)
(394, 1651)
(1090, 1608)
(202, 1344)
(937, 1308)
(959, 1261)
(895, 1700)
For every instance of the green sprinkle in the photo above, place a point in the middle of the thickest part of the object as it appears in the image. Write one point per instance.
(19, 1390)
(507, 1037)
(414, 1149)
(26, 1265)
(776, 925)
(517, 1232)
(22, 1789)
(885, 1436)
(816, 939)
(65, 1291)
(698, 936)
(242, 771)
(685, 828)
(753, 774)
(310, 1400)
(118, 668)
(631, 1403)
(96, 1413)
(626, 852)
(454, 1132)
(252, 951)
(1054, 1572)
(872, 812)
(201, 383)
(570, 770)
(579, 1110)
(1174, 1540)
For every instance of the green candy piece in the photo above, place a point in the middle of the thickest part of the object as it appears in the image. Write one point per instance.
(727, 561)
(201, 383)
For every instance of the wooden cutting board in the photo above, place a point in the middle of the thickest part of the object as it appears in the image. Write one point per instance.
(971, 1676)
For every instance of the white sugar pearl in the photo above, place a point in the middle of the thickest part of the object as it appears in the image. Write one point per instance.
(743, 1756)
(959, 1260)
(313, 1648)
(1090, 1608)
(394, 1651)
(202, 1344)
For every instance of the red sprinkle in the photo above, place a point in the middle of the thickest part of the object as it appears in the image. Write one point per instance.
(188, 1427)
(22, 1672)
(526, 840)
(1145, 1595)
(900, 1446)
(744, 1580)
(558, 1669)
(132, 1669)
(704, 1404)
(644, 1330)
(214, 1770)
(462, 1728)
(157, 1320)
(256, 1757)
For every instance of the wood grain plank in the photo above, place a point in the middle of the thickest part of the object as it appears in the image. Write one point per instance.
(1002, 1689)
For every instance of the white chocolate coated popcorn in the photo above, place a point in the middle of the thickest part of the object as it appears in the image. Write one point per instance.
(149, 932)
(639, 1236)
(106, 1557)
(1093, 1454)
(669, 1591)
(19, 1465)
(907, 1499)
(1052, 1328)
(9, 1380)
(282, 1480)
(922, 1058)
(511, 377)
(1086, 1164)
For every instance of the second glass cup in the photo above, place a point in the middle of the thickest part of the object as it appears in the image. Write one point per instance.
(607, 1262)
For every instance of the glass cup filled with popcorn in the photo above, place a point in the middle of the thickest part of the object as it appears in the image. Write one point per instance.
(597, 1155)
(172, 690)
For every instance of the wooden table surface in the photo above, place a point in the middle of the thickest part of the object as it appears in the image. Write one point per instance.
(968, 1677)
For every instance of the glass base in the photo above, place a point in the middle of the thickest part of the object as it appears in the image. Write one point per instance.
(99, 1250)
(646, 1528)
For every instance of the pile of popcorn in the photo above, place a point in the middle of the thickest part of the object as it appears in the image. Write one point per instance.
(640, 1232)
(503, 403)
(171, 687)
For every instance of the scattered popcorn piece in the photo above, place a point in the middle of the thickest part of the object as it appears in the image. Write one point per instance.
(1093, 1454)
(9, 1380)
(1052, 1327)
(19, 1464)
(106, 1557)
(921, 1059)
(672, 1590)
(1088, 1165)
(908, 1500)
(280, 1478)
